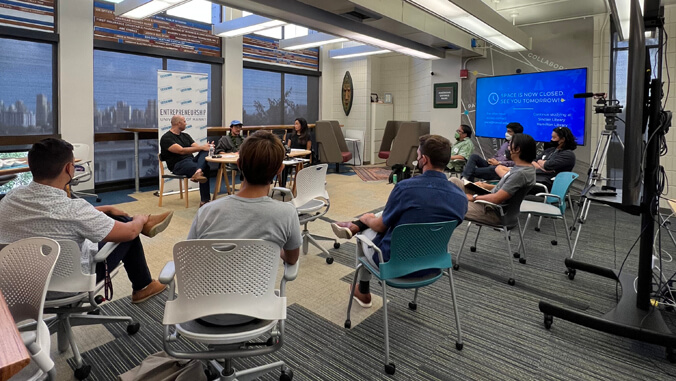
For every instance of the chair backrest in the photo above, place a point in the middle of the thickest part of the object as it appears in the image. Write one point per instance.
(225, 276)
(310, 184)
(328, 148)
(81, 151)
(391, 129)
(405, 144)
(340, 137)
(417, 247)
(69, 275)
(513, 208)
(25, 270)
(561, 186)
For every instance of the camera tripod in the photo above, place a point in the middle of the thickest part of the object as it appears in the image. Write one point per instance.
(594, 175)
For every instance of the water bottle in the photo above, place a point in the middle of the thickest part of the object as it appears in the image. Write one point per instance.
(211, 150)
(394, 178)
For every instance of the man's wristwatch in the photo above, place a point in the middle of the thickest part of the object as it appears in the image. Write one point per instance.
(474, 196)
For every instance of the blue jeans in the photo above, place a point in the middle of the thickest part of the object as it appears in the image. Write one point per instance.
(132, 255)
(478, 167)
(188, 167)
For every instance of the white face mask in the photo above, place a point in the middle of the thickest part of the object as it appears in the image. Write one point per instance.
(508, 137)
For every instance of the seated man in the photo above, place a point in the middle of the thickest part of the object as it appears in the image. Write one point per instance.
(42, 208)
(415, 200)
(233, 140)
(557, 157)
(251, 214)
(177, 150)
(485, 169)
(462, 149)
(520, 177)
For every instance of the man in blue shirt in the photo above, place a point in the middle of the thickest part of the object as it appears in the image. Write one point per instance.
(429, 197)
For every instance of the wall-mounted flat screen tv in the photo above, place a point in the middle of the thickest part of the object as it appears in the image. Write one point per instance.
(539, 101)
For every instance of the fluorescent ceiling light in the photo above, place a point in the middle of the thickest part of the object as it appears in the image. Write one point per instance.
(469, 22)
(622, 7)
(140, 9)
(356, 51)
(309, 41)
(198, 10)
(245, 25)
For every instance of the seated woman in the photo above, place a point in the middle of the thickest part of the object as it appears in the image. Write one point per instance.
(557, 157)
(300, 138)
(251, 214)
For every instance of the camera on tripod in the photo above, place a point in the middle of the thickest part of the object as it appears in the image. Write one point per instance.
(604, 106)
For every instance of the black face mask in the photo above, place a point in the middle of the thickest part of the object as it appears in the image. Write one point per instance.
(551, 144)
(419, 165)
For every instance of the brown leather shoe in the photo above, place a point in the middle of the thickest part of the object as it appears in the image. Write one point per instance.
(199, 179)
(156, 224)
(364, 300)
(152, 289)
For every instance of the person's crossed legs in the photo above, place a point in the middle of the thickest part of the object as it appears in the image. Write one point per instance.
(477, 166)
(198, 169)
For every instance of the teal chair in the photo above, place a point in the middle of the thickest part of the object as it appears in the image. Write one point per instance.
(414, 247)
(553, 206)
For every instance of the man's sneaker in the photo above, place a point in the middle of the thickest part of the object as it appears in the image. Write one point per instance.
(148, 292)
(364, 300)
(344, 230)
(156, 224)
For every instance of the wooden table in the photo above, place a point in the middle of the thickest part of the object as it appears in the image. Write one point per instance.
(231, 158)
(13, 353)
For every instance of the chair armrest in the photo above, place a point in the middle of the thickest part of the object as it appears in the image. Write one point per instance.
(105, 251)
(167, 273)
(548, 195)
(291, 271)
(370, 244)
(283, 190)
(492, 205)
(543, 186)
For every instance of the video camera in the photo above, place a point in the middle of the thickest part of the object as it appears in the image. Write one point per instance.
(608, 107)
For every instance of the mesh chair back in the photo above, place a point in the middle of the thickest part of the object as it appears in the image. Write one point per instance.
(69, 275)
(25, 269)
(417, 247)
(310, 184)
(561, 186)
(225, 276)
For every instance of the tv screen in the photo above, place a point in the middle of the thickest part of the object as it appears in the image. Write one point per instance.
(539, 101)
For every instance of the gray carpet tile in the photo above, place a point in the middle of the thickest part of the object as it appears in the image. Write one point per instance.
(504, 335)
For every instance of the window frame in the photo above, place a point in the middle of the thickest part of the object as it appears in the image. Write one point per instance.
(39, 37)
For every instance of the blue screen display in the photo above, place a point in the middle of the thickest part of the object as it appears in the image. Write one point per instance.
(539, 101)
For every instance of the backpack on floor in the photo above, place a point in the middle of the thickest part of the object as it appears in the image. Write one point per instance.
(402, 172)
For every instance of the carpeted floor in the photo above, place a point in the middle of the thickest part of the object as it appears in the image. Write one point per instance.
(504, 336)
(376, 173)
(503, 329)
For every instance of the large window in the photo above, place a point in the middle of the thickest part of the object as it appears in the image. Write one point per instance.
(27, 88)
(125, 95)
(278, 98)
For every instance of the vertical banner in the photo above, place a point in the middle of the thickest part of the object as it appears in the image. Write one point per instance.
(183, 94)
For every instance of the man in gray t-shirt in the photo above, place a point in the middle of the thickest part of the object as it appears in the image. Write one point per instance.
(511, 189)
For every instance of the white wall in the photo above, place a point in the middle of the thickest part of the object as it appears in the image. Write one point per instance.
(391, 75)
(76, 74)
(232, 73)
(444, 121)
(420, 89)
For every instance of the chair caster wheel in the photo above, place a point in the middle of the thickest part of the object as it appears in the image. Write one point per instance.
(554, 242)
(95, 312)
(549, 319)
(132, 328)
(571, 273)
(336, 245)
(99, 299)
(348, 324)
(287, 375)
(522, 261)
(83, 372)
(472, 249)
(390, 368)
(458, 346)
(456, 267)
(537, 229)
(511, 282)
(211, 373)
(516, 255)
(412, 306)
(270, 342)
(329, 260)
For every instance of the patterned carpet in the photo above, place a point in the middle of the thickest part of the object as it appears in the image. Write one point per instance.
(503, 328)
(378, 173)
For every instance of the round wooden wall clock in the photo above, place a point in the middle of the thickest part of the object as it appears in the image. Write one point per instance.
(347, 93)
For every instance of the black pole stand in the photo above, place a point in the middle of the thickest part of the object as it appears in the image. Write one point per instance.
(634, 317)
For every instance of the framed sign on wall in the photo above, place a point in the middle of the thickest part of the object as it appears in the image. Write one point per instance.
(446, 95)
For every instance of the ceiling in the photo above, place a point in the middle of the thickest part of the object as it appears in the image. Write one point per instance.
(421, 29)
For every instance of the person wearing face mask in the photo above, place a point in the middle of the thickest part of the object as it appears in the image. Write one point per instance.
(557, 157)
(462, 149)
(485, 169)
(429, 197)
(42, 208)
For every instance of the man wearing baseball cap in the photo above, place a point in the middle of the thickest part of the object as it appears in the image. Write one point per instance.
(233, 140)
